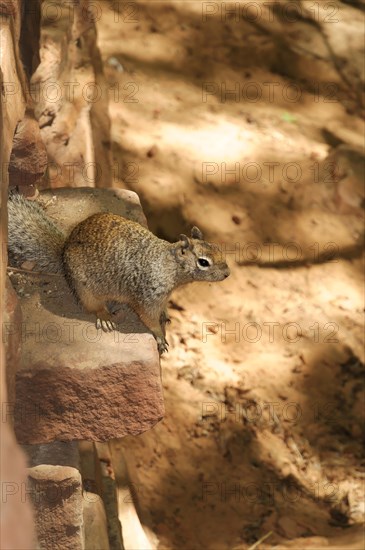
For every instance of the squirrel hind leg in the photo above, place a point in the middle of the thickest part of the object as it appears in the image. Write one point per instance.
(97, 306)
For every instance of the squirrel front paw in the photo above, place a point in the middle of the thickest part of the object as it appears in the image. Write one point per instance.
(105, 325)
(162, 345)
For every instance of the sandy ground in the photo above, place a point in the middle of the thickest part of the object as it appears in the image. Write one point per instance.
(264, 378)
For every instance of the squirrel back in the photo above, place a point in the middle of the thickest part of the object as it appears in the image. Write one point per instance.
(33, 236)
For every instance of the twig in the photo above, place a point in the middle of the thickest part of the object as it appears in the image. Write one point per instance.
(30, 272)
(254, 546)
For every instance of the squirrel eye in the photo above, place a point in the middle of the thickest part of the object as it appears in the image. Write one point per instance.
(203, 262)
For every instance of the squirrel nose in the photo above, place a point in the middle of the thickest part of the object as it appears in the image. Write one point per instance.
(227, 273)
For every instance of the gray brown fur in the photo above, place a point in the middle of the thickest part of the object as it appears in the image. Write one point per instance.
(33, 236)
(107, 258)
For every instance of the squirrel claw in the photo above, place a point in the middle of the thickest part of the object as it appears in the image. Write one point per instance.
(105, 325)
(162, 345)
(164, 318)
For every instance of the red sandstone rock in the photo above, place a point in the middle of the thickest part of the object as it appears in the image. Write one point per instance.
(28, 160)
(57, 495)
(10, 7)
(76, 382)
(70, 96)
(16, 520)
(11, 338)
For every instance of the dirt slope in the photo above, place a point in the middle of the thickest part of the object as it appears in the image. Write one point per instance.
(250, 127)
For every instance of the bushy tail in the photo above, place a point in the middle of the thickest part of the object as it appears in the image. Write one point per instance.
(33, 236)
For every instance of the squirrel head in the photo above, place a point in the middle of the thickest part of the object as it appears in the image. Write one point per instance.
(200, 260)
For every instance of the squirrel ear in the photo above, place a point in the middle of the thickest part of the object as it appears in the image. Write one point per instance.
(185, 242)
(196, 233)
